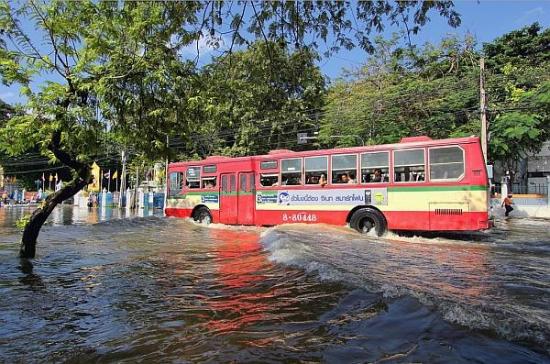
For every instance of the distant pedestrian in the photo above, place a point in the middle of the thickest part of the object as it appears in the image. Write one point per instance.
(507, 204)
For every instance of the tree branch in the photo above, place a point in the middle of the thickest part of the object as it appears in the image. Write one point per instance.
(54, 146)
(53, 43)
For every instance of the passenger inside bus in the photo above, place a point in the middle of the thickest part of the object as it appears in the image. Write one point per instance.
(316, 178)
(345, 178)
(192, 183)
(323, 180)
(409, 174)
(209, 183)
(269, 180)
(292, 179)
(377, 177)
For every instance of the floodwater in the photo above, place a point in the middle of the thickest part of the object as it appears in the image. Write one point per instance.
(106, 287)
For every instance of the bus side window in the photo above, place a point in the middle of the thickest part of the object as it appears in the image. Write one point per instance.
(409, 165)
(344, 168)
(233, 183)
(192, 179)
(316, 170)
(269, 180)
(375, 167)
(446, 163)
(291, 171)
(243, 185)
(209, 182)
(224, 184)
(176, 183)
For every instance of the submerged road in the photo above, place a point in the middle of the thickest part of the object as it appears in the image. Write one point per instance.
(108, 287)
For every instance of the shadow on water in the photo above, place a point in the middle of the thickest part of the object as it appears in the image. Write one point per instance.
(154, 289)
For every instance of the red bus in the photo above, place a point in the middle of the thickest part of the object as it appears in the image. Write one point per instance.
(418, 184)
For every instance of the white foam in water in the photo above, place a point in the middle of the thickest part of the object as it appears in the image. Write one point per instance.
(444, 277)
(218, 226)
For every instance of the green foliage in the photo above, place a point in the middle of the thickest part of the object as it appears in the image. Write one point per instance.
(115, 67)
(256, 100)
(23, 221)
(397, 93)
(434, 91)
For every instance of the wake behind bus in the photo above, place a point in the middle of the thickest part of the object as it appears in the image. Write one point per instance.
(418, 184)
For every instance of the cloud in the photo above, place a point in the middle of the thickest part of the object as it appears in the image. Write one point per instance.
(530, 16)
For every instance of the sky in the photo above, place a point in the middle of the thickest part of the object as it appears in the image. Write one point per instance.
(485, 19)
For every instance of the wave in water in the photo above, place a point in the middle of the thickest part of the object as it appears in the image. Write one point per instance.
(490, 285)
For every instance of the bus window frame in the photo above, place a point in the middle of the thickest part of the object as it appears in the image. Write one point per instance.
(212, 177)
(203, 172)
(389, 167)
(357, 162)
(181, 183)
(461, 177)
(258, 172)
(305, 171)
(426, 165)
(301, 184)
(258, 180)
(198, 178)
(267, 161)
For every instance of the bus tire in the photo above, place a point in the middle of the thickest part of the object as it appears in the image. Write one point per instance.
(202, 215)
(366, 219)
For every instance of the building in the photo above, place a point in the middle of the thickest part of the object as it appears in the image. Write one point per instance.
(538, 168)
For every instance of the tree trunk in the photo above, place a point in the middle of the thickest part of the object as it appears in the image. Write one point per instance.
(39, 216)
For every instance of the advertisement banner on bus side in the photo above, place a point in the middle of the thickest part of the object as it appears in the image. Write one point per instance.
(356, 196)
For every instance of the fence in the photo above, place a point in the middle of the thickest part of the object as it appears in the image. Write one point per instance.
(522, 189)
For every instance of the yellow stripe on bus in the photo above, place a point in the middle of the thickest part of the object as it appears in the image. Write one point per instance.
(402, 201)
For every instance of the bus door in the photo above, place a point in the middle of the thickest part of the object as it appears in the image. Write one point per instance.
(247, 200)
(228, 198)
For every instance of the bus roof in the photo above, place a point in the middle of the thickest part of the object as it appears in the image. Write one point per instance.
(405, 143)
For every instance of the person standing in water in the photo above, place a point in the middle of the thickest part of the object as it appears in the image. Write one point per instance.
(507, 204)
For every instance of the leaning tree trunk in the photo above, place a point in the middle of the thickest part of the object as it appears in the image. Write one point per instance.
(39, 216)
(82, 177)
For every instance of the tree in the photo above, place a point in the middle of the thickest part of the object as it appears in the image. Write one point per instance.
(114, 67)
(518, 81)
(256, 100)
(6, 110)
(66, 115)
(434, 91)
(402, 92)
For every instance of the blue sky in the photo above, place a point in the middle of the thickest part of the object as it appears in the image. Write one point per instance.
(485, 19)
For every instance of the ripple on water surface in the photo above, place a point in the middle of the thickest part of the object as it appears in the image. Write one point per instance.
(151, 288)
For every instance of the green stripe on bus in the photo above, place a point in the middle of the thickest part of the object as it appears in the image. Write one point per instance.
(437, 188)
(201, 193)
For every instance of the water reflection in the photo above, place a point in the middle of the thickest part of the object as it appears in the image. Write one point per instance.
(240, 264)
(69, 215)
(151, 289)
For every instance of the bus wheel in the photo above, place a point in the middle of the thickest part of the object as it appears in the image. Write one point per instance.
(365, 220)
(202, 215)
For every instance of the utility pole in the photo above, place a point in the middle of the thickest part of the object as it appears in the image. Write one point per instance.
(134, 200)
(483, 107)
(123, 181)
(166, 175)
